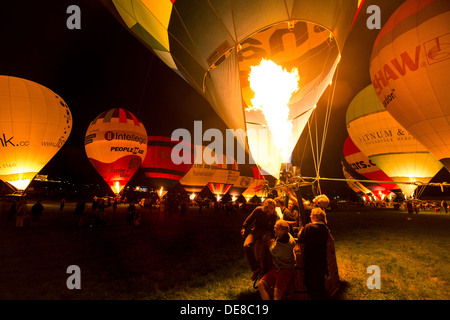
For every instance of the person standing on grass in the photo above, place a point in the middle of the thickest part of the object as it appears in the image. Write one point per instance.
(313, 239)
(131, 211)
(36, 213)
(21, 213)
(261, 221)
(12, 210)
(444, 205)
(409, 206)
(61, 205)
(288, 216)
(282, 273)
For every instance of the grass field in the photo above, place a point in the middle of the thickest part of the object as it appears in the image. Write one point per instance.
(199, 256)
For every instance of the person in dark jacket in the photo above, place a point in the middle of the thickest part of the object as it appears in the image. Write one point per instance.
(261, 221)
(36, 212)
(313, 239)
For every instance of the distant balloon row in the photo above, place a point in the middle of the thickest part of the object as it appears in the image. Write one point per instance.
(117, 145)
(36, 123)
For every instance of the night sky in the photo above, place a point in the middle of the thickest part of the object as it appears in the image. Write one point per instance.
(94, 69)
(103, 65)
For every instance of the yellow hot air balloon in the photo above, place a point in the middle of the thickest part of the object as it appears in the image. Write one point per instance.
(409, 68)
(213, 45)
(35, 123)
(116, 145)
(395, 151)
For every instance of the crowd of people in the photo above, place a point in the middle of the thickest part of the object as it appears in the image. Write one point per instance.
(18, 209)
(271, 233)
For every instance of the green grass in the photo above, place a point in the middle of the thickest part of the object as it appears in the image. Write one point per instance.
(200, 256)
(412, 254)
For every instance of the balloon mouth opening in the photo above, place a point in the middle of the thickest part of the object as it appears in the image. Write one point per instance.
(20, 185)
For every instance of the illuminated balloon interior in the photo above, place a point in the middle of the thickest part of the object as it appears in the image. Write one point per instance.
(273, 87)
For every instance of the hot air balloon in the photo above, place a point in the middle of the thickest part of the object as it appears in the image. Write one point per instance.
(410, 68)
(213, 45)
(35, 124)
(256, 187)
(201, 172)
(365, 167)
(116, 145)
(242, 183)
(158, 166)
(378, 135)
(362, 184)
(226, 174)
(356, 186)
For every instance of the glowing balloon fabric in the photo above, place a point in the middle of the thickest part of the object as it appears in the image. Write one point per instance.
(35, 123)
(256, 185)
(379, 136)
(200, 173)
(116, 145)
(225, 176)
(410, 66)
(158, 165)
(356, 186)
(213, 44)
(364, 166)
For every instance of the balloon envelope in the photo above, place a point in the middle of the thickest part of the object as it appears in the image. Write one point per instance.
(364, 166)
(116, 144)
(158, 165)
(378, 135)
(356, 186)
(35, 124)
(213, 44)
(410, 67)
(256, 185)
(201, 172)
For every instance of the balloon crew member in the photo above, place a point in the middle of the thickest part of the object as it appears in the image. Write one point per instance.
(289, 216)
(283, 257)
(313, 239)
(261, 221)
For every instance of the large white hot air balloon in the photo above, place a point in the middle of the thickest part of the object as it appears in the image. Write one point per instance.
(35, 123)
(216, 45)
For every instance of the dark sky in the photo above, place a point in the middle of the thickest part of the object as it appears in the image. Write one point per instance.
(102, 66)
(93, 69)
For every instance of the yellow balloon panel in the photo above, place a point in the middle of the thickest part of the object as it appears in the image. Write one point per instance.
(35, 124)
(409, 69)
(379, 133)
(406, 165)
